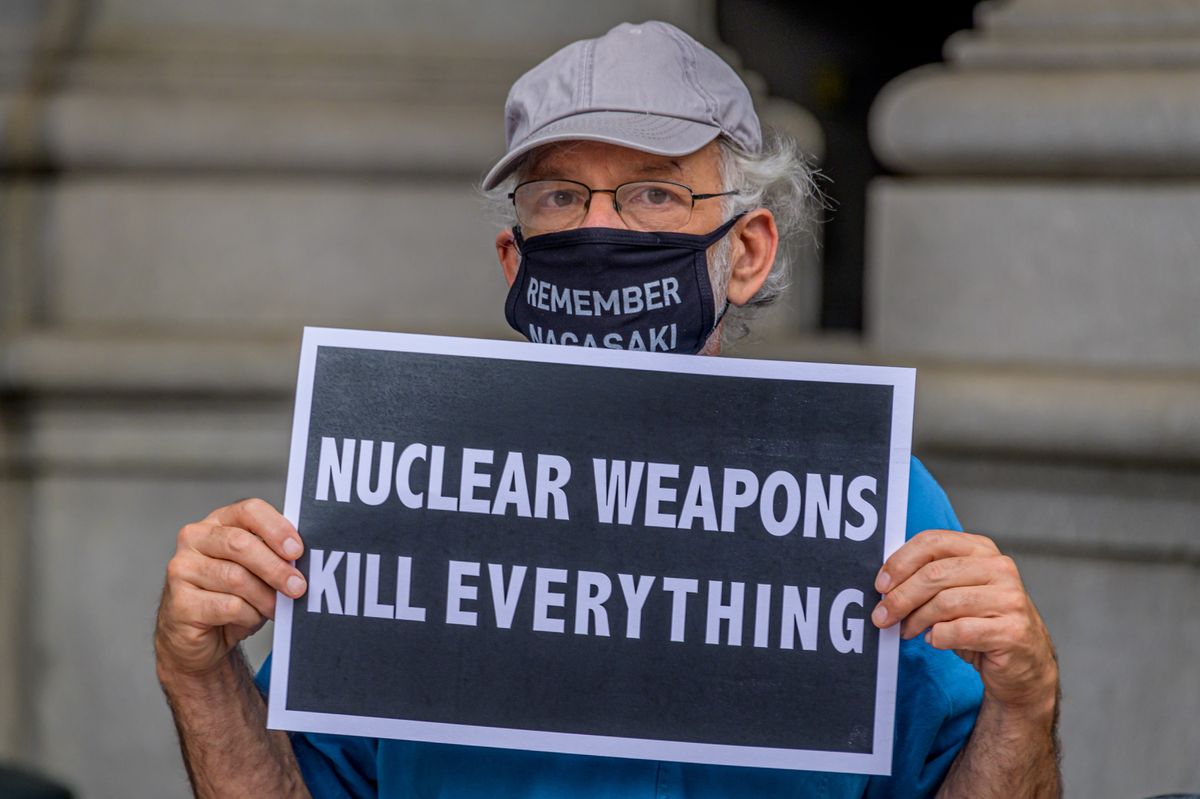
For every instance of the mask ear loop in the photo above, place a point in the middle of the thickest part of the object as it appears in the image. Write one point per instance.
(716, 236)
(721, 315)
(717, 321)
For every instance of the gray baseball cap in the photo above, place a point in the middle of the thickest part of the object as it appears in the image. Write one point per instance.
(649, 86)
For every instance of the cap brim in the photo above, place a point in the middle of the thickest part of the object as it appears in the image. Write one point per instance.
(646, 132)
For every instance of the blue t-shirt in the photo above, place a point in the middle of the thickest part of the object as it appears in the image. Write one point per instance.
(938, 696)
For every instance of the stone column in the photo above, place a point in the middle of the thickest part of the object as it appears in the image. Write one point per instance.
(185, 185)
(1038, 248)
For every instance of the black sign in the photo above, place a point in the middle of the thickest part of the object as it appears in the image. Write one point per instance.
(592, 551)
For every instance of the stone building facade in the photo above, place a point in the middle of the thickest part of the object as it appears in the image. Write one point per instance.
(183, 185)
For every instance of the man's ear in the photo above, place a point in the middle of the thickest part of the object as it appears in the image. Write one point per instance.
(506, 251)
(755, 242)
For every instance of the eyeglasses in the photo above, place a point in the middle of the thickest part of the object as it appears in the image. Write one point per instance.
(548, 206)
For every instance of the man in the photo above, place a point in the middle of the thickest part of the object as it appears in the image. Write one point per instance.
(636, 155)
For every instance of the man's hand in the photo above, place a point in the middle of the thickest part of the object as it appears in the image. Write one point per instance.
(963, 594)
(969, 597)
(221, 584)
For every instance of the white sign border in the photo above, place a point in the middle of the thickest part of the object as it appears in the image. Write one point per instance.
(877, 761)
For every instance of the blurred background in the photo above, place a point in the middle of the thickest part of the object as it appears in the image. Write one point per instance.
(1015, 211)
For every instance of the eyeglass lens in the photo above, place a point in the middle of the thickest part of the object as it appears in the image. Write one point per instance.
(551, 205)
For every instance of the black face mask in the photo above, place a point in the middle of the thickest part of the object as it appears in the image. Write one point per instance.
(618, 289)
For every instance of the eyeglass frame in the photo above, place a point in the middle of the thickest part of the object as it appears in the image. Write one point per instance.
(512, 195)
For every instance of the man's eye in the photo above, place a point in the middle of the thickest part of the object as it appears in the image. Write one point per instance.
(558, 199)
(654, 197)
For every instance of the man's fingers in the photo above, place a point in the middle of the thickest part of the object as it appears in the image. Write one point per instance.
(212, 609)
(938, 576)
(971, 634)
(260, 518)
(983, 601)
(225, 577)
(926, 547)
(242, 547)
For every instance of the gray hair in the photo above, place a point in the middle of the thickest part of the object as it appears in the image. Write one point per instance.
(778, 178)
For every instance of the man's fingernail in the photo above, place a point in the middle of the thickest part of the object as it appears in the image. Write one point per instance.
(295, 585)
(292, 548)
(879, 615)
(883, 582)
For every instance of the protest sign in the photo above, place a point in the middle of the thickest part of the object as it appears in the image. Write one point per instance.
(593, 551)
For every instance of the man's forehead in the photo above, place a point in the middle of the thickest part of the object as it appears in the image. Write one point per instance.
(561, 158)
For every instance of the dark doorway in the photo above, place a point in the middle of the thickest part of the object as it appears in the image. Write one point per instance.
(833, 58)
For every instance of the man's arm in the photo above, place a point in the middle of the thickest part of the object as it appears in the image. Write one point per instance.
(963, 594)
(1009, 755)
(221, 719)
(220, 588)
